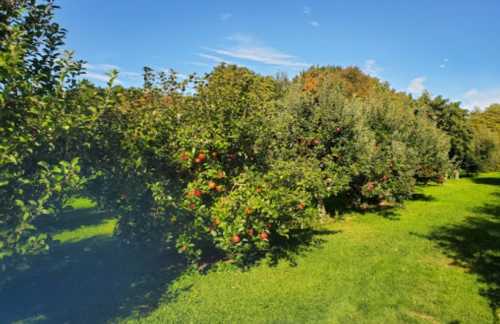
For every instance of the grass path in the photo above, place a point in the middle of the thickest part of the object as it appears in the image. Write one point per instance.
(422, 264)
(437, 260)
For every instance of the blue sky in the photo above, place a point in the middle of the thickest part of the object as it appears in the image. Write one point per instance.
(448, 47)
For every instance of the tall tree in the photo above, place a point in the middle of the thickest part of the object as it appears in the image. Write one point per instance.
(453, 120)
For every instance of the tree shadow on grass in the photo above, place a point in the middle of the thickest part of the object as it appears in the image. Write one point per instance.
(301, 242)
(73, 219)
(475, 245)
(492, 181)
(418, 196)
(91, 281)
(341, 206)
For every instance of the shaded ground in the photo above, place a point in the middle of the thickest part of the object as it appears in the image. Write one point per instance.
(88, 280)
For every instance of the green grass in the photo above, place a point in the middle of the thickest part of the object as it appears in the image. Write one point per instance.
(437, 260)
(404, 268)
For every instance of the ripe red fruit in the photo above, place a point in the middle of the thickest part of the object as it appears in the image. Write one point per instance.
(258, 190)
(184, 156)
(301, 206)
(264, 236)
(192, 206)
(197, 160)
(236, 239)
(338, 129)
(202, 157)
(212, 185)
(197, 193)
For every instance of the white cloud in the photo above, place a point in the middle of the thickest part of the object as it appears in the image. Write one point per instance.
(372, 68)
(98, 72)
(417, 86)
(225, 16)
(98, 77)
(101, 67)
(481, 98)
(314, 23)
(214, 58)
(307, 10)
(250, 49)
(131, 75)
(200, 64)
(443, 64)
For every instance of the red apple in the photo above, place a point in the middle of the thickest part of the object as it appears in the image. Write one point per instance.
(301, 206)
(236, 239)
(197, 193)
(212, 185)
(202, 157)
(264, 236)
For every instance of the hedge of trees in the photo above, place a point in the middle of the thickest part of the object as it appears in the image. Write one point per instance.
(231, 163)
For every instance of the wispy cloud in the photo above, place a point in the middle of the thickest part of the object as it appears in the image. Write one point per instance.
(248, 48)
(98, 72)
(475, 98)
(417, 86)
(199, 64)
(215, 58)
(308, 13)
(372, 68)
(225, 16)
(443, 63)
(101, 67)
(99, 77)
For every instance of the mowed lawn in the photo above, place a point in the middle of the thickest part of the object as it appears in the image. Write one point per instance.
(436, 260)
